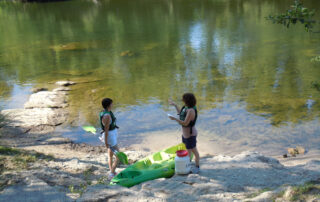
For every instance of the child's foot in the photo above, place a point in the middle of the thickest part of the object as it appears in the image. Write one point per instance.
(111, 175)
(195, 170)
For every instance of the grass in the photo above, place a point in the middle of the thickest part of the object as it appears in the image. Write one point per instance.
(259, 192)
(79, 190)
(17, 159)
(303, 192)
(87, 174)
(103, 180)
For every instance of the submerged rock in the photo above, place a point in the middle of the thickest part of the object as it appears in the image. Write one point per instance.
(65, 83)
(46, 99)
(127, 53)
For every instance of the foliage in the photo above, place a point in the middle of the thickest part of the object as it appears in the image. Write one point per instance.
(297, 13)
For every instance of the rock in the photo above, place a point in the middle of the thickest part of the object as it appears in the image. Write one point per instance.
(288, 194)
(127, 53)
(61, 89)
(35, 90)
(35, 190)
(292, 151)
(46, 99)
(264, 197)
(106, 193)
(65, 83)
(300, 150)
(37, 117)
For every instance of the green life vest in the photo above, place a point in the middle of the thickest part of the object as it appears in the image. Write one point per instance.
(183, 114)
(113, 124)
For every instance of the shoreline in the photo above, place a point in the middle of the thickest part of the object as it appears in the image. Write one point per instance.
(41, 164)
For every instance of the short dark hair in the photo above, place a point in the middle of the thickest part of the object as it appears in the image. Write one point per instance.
(106, 102)
(189, 99)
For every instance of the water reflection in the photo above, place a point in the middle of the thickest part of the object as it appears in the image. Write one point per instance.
(145, 51)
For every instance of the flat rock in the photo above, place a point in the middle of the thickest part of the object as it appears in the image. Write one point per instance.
(37, 117)
(65, 83)
(46, 99)
(36, 190)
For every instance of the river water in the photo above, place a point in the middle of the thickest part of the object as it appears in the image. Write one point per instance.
(252, 78)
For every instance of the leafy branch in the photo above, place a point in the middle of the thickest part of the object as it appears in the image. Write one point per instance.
(297, 13)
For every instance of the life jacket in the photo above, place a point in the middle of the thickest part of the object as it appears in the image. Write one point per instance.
(183, 114)
(113, 124)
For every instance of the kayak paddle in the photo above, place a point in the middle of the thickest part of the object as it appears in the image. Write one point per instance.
(121, 156)
(90, 129)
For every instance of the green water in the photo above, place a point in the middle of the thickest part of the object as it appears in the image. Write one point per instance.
(251, 77)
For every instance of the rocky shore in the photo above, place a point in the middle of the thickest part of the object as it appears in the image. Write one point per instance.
(44, 166)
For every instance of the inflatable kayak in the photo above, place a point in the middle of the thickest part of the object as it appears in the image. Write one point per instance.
(158, 165)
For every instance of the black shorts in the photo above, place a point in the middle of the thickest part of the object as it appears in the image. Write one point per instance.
(190, 142)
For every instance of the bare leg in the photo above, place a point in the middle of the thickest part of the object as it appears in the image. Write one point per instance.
(110, 160)
(115, 163)
(196, 155)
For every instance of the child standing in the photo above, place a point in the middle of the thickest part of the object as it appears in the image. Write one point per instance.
(110, 134)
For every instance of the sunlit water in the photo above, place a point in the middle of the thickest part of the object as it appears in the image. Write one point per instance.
(252, 78)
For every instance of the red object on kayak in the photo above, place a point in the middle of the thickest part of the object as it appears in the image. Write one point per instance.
(182, 153)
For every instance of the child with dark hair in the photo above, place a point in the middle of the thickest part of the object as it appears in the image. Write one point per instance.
(188, 115)
(110, 133)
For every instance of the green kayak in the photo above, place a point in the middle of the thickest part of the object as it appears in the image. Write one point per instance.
(158, 165)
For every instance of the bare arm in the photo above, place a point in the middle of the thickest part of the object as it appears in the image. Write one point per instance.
(106, 122)
(190, 115)
(175, 105)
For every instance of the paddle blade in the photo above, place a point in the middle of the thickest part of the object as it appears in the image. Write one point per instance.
(122, 157)
(90, 129)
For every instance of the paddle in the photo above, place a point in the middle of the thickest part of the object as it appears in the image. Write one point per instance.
(121, 156)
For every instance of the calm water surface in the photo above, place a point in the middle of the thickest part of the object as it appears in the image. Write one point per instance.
(252, 78)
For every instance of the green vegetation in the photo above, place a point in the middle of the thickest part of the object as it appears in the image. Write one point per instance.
(309, 190)
(303, 191)
(17, 159)
(297, 13)
(87, 174)
(103, 180)
(252, 195)
(80, 190)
